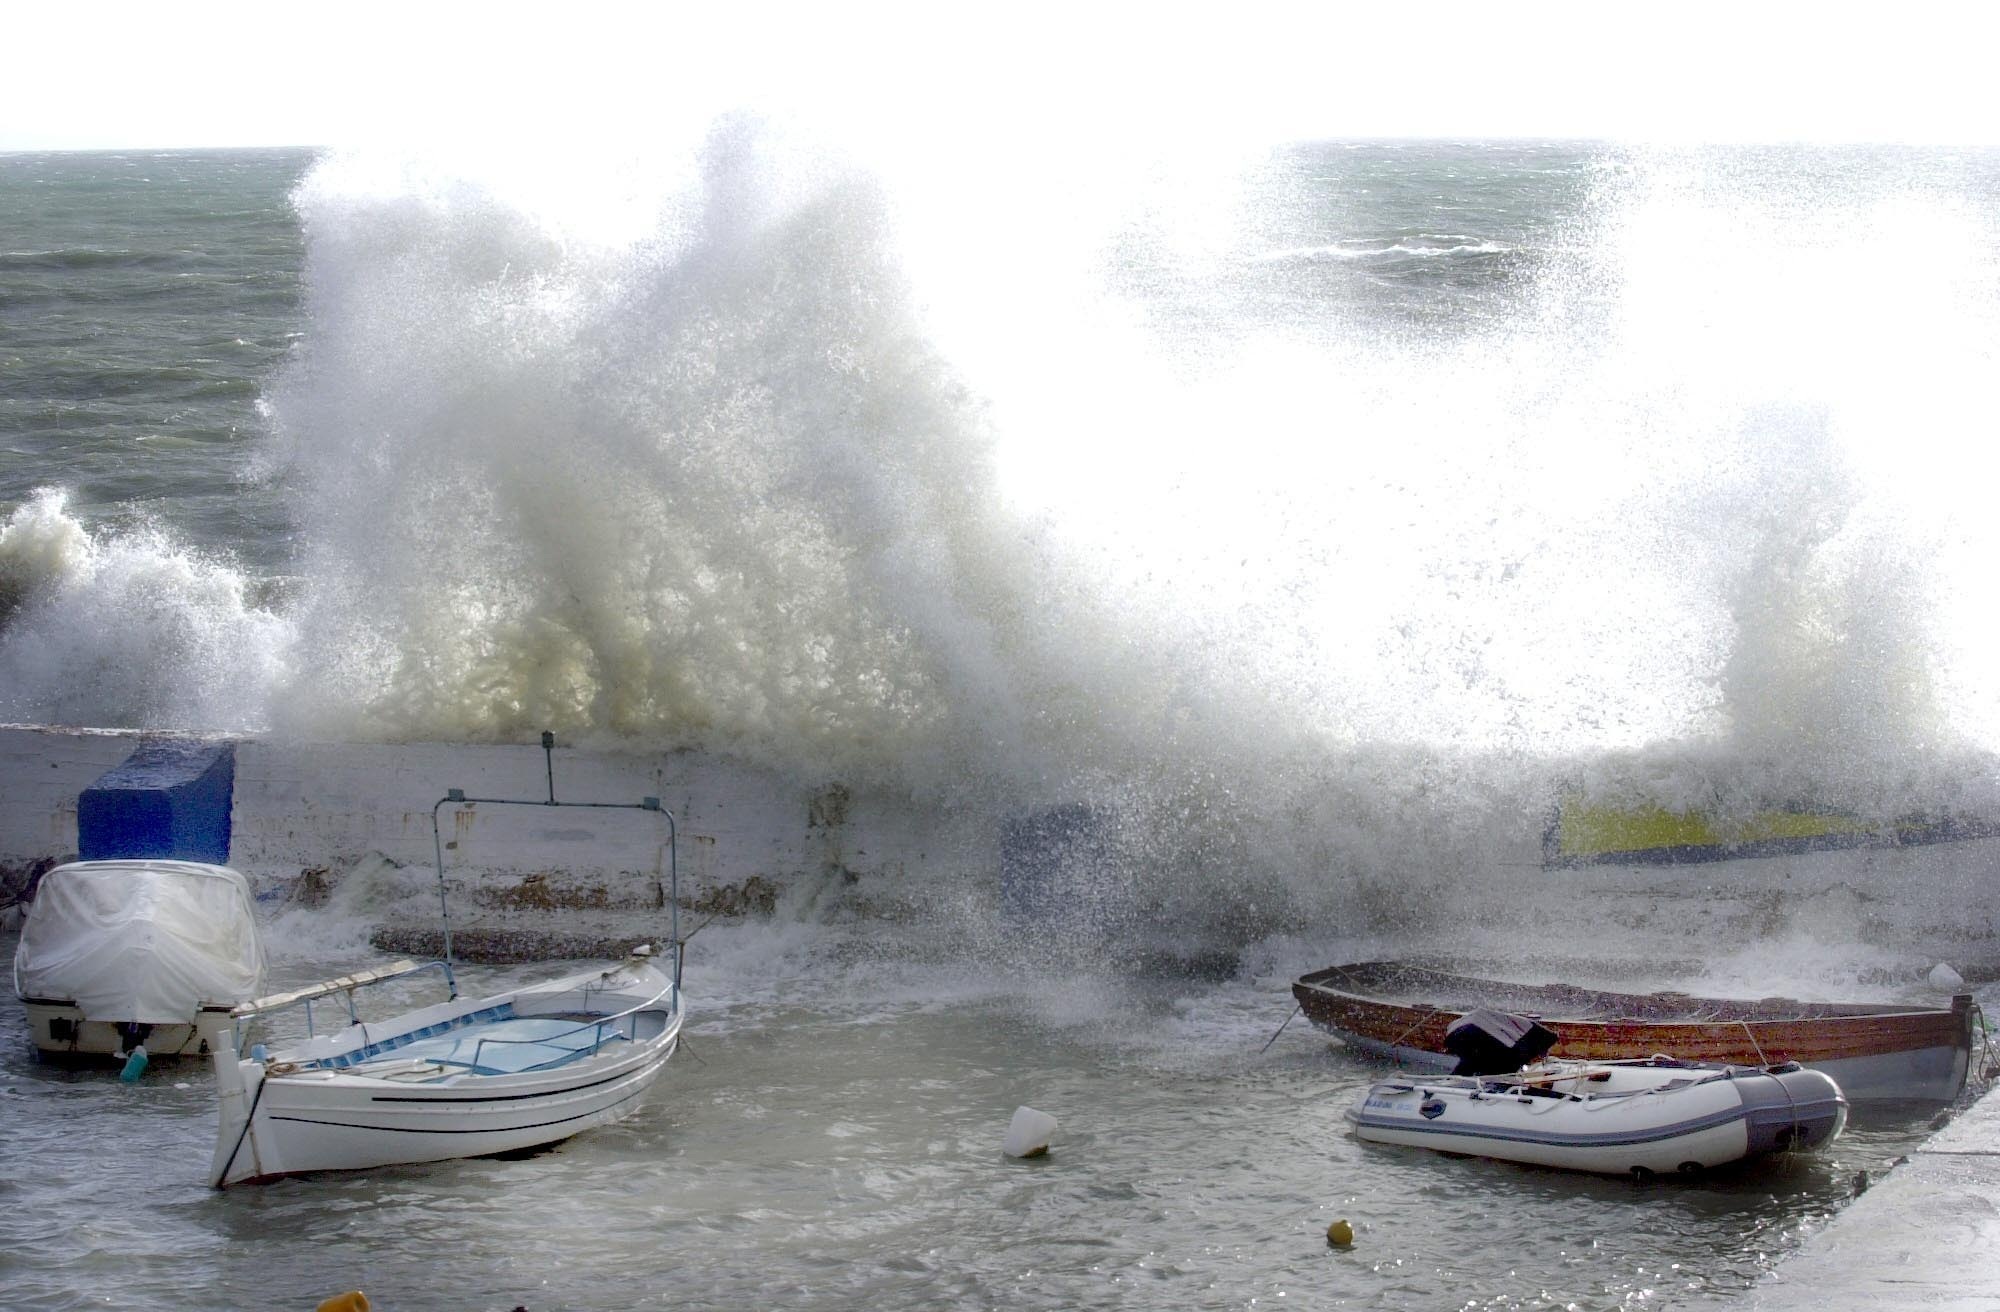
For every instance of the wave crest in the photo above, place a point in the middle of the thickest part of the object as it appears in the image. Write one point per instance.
(128, 629)
(706, 487)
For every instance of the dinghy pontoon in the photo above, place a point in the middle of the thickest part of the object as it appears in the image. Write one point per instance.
(1643, 1117)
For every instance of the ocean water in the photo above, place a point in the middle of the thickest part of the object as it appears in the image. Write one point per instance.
(1325, 509)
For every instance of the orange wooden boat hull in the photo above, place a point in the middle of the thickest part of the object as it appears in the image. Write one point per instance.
(1400, 1012)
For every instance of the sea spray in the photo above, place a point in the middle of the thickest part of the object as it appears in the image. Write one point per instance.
(1323, 617)
(708, 489)
(1322, 579)
(128, 628)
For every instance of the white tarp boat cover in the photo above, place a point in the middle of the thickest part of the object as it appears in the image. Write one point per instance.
(147, 941)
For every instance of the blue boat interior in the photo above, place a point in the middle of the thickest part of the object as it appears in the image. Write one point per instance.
(496, 1041)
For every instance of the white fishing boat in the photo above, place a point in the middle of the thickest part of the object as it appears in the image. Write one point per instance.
(137, 959)
(1644, 1117)
(516, 1070)
(467, 1078)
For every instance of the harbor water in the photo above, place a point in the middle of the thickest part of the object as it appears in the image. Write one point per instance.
(830, 1136)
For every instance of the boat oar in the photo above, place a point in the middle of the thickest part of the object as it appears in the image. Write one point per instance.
(1281, 1029)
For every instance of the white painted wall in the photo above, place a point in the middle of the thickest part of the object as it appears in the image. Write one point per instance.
(304, 805)
(301, 805)
(41, 772)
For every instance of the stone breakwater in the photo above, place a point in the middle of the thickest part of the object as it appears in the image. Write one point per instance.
(497, 946)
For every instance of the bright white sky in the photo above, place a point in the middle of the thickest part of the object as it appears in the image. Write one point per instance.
(364, 72)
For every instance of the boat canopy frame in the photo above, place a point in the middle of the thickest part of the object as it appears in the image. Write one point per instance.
(346, 985)
(459, 797)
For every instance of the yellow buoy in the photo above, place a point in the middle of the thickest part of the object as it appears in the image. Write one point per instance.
(353, 1301)
(1340, 1234)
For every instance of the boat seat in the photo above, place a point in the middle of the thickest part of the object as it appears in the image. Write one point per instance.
(514, 1045)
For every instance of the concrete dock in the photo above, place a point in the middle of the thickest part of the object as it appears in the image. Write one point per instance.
(1925, 1235)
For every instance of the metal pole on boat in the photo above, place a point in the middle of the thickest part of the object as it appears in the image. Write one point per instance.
(673, 883)
(673, 879)
(457, 796)
(444, 904)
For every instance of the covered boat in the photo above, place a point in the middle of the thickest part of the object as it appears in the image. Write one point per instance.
(1642, 1118)
(120, 955)
(1873, 1051)
(468, 1077)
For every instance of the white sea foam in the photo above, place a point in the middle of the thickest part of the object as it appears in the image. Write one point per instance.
(1422, 247)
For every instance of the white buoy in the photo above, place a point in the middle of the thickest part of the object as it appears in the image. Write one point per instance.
(1945, 980)
(1028, 1133)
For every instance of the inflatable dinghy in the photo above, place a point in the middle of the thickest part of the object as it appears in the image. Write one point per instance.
(1643, 1118)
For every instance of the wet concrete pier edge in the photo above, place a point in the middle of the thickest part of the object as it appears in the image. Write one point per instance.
(1926, 1236)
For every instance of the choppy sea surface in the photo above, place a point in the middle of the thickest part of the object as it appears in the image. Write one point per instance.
(1329, 508)
(830, 1137)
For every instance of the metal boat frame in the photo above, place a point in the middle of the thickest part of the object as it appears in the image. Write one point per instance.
(346, 985)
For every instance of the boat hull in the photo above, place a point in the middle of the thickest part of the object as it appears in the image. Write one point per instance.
(281, 1118)
(1691, 1118)
(1874, 1052)
(59, 1030)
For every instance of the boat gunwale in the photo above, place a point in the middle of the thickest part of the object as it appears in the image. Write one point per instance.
(351, 1058)
(1754, 1011)
(449, 1091)
(458, 1013)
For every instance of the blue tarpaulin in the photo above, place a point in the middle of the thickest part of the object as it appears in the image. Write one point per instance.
(169, 799)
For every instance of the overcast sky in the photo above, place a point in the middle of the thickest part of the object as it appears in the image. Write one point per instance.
(363, 72)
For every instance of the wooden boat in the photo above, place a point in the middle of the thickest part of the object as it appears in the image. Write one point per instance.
(1399, 1012)
(1644, 1118)
(467, 1077)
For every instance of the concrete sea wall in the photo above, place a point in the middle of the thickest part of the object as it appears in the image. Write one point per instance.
(302, 807)
(303, 815)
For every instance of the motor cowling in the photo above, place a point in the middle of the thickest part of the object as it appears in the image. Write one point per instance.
(1496, 1042)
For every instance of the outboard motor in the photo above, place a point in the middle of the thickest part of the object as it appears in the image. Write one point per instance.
(1496, 1043)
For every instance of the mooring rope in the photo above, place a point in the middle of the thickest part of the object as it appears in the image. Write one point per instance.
(1296, 1009)
(1415, 1025)
(1755, 1046)
(222, 1180)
